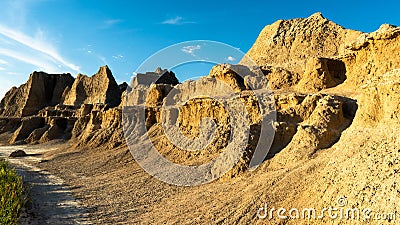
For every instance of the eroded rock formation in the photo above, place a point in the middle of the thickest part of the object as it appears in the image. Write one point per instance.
(50, 107)
(100, 88)
(41, 90)
(290, 43)
(328, 82)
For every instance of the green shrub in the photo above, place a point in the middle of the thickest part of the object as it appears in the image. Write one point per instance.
(11, 194)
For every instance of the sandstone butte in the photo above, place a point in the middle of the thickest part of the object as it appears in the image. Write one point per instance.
(337, 97)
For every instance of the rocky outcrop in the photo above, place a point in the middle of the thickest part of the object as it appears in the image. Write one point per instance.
(36, 135)
(229, 75)
(381, 101)
(336, 95)
(97, 126)
(322, 73)
(279, 78)
(328, 86)
(100, 88)
(9, 124)
(143, 87)
(58, 128)
(315, 123)
(123, 87)
(28, 125)
(313, 54)
(159, 76)
(289, 44)
(41, 90)
(372, 55)
(61, 107)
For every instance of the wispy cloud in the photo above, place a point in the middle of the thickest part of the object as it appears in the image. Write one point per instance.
(116, 57)
(191, 49)
(20, 52)
(176, 21)
(231, 58)
(39, 60)
(35, 43)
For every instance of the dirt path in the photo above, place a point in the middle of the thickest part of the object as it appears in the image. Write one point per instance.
(51, 201)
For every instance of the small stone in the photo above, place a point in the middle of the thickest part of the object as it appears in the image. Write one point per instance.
(18, 153)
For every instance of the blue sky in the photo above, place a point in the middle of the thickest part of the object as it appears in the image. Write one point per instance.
(80, 36)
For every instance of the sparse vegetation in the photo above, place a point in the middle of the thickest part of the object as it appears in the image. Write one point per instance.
(12, 194)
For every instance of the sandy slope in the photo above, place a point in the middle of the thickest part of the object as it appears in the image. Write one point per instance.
(361, 167)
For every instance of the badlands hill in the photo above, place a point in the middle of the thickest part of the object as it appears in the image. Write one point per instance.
(337, 97)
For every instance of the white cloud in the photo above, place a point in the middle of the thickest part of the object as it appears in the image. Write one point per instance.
(176, 21)
(36, 44)
(40, 62)
(191, 49)
(1, 68)
(116, 57)
(17, 48)
(231, 58)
